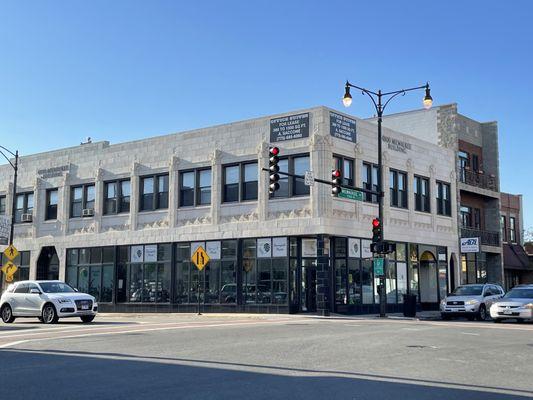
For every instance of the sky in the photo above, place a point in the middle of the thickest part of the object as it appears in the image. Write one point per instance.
(124, 70)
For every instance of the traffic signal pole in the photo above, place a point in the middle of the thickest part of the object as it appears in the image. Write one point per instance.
(382, 290)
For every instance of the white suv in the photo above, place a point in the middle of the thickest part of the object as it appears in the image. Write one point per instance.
(46, 300)
(470, 301)
(516, 304)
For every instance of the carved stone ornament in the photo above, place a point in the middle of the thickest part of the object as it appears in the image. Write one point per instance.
(99, 175)
(215, 156)
(432, 169)
(320, 140)
(262, 148)
(410, 164)
(174, 163)
(358, 150)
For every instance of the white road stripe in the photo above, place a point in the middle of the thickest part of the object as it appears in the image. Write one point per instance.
(88, 334)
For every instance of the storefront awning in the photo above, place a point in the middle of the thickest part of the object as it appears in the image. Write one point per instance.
(515, 257)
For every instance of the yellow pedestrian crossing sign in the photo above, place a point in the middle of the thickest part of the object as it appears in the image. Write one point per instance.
(11, 252)
(9, 270)
(200, 258)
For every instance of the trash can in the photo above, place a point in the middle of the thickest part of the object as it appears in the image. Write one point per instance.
(409, 305)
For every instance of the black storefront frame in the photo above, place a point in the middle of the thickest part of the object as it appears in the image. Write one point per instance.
(290, 306)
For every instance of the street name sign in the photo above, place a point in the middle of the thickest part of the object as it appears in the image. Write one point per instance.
(351, 194)
(378, 267)
(200, 258)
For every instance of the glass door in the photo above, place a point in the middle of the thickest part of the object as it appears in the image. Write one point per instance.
(308, 285)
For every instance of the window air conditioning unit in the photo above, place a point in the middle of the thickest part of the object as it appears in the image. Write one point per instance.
(26, 217)
(87, 212)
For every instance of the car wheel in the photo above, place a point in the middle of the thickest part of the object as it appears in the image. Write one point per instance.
(87, 318)
(482, 314)
(49, 314)
(7, 314)
(497, 320)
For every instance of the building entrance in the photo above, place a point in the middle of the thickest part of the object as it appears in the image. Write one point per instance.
(308, 288)
(48, 264)
(428, 279)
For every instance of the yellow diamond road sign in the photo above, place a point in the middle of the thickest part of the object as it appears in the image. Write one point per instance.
(11, 252)
(200, 258)
(9, 270)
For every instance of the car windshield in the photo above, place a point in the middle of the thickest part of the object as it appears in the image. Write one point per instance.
(474, 290)
(520, 293)
(56, 287)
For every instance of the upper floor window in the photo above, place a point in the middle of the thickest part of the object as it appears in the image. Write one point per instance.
(117, 195)
(294, 186)
(512, 230)
(466, 217)
(370, 175)
(475, 162)
(240, 182)
(2, 205)
(421, 189)
(51, 204)
(154, 192)
(195, 187)
(24, 205)
(464, 162)
(81, 198)
(443, 199)
(398, 188)
(503, 223)
(345, 165)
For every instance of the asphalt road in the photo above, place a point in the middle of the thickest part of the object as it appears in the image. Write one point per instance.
(265, 357)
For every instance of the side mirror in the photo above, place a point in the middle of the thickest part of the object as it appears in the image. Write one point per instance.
(35, 291)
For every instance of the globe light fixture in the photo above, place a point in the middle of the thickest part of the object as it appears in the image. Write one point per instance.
(428, 100)
(347, 99)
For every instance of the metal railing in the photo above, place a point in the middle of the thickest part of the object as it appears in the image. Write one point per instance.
(474, 178)
(489, 238)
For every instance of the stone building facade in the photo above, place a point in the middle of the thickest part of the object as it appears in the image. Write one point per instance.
(122, 220)
(475, 147)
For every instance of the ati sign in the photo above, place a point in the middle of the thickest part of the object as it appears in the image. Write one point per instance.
(470, 245)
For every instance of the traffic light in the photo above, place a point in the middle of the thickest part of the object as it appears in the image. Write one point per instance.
(377, 235)
(273, 169)
(336, 182)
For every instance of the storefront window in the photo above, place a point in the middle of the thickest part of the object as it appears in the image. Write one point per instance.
(218, 280)
(90, 270)
(390, 282)
(340, 281)
(367, 281)
(354, 282)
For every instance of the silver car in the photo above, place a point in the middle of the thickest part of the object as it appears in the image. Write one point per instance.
(470, 301)
(46, 300)
(516, 304)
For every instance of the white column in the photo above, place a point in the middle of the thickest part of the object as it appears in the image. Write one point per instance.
(134, 200)
(173, 183)
(99, 199)
(216, 179)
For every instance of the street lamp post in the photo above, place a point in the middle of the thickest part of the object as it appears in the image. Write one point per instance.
(377, 98)
(14, 199)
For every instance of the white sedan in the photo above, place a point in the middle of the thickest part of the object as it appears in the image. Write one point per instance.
(46, 300)
(516, 304)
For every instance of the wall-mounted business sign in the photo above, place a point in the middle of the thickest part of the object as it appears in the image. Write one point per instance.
(396, 145)
(53, 171)
(470, 245)
(342, 127)
(289, 128)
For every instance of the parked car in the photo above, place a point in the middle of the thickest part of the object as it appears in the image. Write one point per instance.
(516, 304)
(46, 300)
(470, 301)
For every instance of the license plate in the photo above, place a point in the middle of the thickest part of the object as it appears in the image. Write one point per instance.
(85, 307)
(507, 312)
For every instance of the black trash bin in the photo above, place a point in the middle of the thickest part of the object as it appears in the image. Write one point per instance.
(409, 305)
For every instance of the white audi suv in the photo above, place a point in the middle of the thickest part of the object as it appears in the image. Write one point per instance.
(46, 300)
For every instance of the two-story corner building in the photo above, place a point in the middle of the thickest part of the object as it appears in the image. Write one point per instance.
(122, 221)
(516, 264)
(475, 145)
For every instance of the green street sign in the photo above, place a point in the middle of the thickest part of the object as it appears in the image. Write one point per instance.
(351, 194)
(378, 267)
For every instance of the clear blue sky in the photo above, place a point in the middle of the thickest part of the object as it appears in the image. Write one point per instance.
(123, 70)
